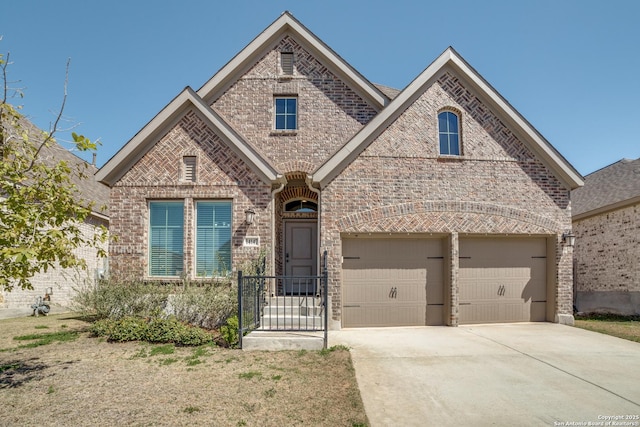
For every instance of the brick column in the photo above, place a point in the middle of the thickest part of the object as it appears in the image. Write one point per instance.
(451, 287)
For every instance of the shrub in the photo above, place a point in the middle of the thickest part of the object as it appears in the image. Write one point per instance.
(207, 305)
(116, 300)
(229, 331)
(155, 330)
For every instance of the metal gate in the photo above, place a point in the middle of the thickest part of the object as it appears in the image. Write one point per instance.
(283, 303)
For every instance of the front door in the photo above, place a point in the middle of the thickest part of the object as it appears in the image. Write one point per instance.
(300, 255)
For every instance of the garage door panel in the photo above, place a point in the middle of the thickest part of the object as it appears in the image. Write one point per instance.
(387, 282)
(502, 280)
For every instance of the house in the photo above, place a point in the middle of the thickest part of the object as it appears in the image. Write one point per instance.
(439, 204)
(59, 282)
(606, 222)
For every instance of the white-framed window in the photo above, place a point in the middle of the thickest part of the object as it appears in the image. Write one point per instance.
(166, 238)
(286, 113)
(213, 238)
(449, 133)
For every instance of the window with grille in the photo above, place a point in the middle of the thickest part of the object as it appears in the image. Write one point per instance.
(286, 117)
(449, 133)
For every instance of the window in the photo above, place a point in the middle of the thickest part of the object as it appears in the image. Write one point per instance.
(189, 168)
(286, 62)
(301, 206)
(213, 238)
(286, 113)
(449, 133)
(166, 220)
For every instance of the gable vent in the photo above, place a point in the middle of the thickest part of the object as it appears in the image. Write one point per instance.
(189, 168)
(286, 62)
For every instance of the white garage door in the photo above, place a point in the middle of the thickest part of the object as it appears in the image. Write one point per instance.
(392, 282)
(502, 280)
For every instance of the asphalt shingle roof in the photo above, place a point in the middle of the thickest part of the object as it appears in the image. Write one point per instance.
(608, 186)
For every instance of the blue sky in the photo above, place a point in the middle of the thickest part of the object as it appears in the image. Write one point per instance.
(570, 67)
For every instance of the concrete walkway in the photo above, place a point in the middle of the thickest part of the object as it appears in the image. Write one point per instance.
(532, 374)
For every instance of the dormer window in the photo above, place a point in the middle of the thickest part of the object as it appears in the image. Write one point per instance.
(286, 62)
(286, 117)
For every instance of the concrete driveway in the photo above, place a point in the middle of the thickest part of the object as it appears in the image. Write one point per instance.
(527, 374)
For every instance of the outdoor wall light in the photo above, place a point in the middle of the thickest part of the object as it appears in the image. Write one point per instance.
(249, 216)
(569, 239)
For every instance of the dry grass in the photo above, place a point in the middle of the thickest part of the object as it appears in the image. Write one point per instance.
(618, 326)
(72, 379)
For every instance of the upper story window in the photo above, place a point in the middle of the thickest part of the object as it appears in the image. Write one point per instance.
(449, 133)
(286, 62)
(286, 117)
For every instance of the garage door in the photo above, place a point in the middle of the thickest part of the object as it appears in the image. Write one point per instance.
(502, 280)
(392, 282)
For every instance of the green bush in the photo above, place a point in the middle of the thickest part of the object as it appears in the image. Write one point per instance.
(229, 331)
(156, 330)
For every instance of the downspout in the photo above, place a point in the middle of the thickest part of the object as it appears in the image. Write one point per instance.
(283, 182)
(309, 182)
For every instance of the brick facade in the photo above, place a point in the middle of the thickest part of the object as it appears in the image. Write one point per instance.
(398, 184)
(607, 271)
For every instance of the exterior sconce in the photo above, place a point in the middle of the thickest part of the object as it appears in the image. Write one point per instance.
(249, 216)
(569, 239)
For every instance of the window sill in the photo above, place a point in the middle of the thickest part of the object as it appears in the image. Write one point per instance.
(284, 132)
(450, 158)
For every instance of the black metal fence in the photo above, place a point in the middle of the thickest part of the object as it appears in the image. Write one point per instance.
(283, 303)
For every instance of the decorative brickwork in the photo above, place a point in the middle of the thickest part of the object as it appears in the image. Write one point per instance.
(329, 112)
(156, 176)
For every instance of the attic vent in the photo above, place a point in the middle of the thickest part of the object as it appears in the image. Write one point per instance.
(286, 62)
(189, 168)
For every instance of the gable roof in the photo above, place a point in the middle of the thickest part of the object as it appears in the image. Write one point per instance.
(609, 188)
(144, 140)
(452, 60)
(287, 24)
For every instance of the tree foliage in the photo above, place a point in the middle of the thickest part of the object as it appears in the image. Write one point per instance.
(41, 209)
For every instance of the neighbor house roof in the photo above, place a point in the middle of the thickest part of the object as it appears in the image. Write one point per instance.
(450, 59)
(611, 187)
(89, 189)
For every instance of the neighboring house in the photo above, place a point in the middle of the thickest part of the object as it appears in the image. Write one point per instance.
(63, 282)
(438, 205)
(606, 222)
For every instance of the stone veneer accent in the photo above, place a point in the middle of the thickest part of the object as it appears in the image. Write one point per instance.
(607, 270)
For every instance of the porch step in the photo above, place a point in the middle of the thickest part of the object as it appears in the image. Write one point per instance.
(274, 341)
(289, 322)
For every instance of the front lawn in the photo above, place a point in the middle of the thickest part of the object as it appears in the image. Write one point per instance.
(626, 327)
(52, 372)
